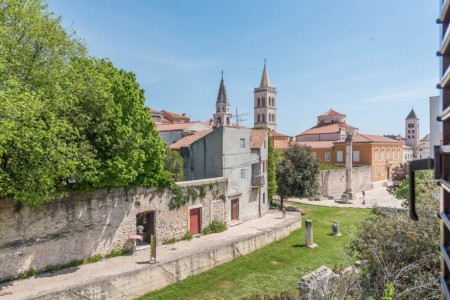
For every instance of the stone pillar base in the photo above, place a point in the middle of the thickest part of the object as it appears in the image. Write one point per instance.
(312, 246)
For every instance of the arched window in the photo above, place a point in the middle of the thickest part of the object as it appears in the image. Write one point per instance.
(218, 121)
(263, 116)
(223, 108)
(270, 117)
(228, 121)
(271, 101)
(263, 101)
(259, 118)
(259, 102)
(274, 118)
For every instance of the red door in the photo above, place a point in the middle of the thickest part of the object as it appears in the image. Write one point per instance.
(194, 221)
(234, 209)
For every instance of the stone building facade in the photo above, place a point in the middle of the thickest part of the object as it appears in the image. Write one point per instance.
(84, 224)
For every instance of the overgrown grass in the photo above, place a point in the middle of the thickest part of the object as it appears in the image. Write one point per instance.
(215, 227)
(277, 267)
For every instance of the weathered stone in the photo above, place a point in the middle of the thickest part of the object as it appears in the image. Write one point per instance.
(316, 282)
(309, 234)
(335, 228)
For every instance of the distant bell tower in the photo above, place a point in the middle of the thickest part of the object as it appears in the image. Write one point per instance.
(412, 131)
(222, 117)
(265, 112)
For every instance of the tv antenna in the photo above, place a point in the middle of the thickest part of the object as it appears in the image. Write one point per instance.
(240, 117)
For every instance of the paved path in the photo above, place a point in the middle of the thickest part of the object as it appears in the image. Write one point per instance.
(66, 279)
(378, 196)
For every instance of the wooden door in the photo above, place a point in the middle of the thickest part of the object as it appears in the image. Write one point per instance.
(234, 209)
(195, 221)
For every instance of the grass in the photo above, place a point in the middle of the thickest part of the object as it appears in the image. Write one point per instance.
(277, 267)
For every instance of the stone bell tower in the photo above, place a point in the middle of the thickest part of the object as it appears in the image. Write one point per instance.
(265, 103)
(222, 117)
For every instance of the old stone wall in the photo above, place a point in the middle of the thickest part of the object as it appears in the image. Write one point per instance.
(84, 224)
(333, 182)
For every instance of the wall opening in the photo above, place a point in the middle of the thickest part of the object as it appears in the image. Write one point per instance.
(146, 225)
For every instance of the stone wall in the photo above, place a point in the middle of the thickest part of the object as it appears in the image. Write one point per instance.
(84, 224)
(333, 182)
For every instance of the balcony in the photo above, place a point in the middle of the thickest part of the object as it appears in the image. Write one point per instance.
(445, 12)
(445, 80)
(258, 181)
(445, 43)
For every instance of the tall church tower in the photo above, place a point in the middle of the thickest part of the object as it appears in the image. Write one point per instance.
(222, 117)
(412, 134)
(265, 111)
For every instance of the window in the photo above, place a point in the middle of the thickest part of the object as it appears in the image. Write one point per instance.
(376, 172)
(263, 101)
(412, 136)
(242, 143)
(259, 102)
(355, 155)
(243, 173)
(314, 155)
(339, 156)
(264, 198)
(375, 154)
(382, 171)
(409, 136)
(259, 118)
(398, 153)
(409, 131)
(382, 154)
(327, 156)
(263, 166)
(410, 125)
(412, 131)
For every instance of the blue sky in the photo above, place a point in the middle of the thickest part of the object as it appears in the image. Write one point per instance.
(371, 60)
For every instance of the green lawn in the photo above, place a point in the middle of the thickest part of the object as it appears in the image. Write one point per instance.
(277, 267)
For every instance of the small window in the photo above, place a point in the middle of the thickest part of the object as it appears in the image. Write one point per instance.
(376, 154)
(412, 136)
(376, 172)
(355, 155)
(327, 156)
(382, 154)
(314, 155)
(412, 131)
(264, 198)
(242, 143)
(409, 136)
(339, 156)
(243, 173)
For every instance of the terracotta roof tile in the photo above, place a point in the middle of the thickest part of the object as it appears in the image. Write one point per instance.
(370, 138)
(331, 112)
(277, 134)
(189, 140)
(174, 115)
(326, 128)
(257, 138)
(313, 145)
(175, 126)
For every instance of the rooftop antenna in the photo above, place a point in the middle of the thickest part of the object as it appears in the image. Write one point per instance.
(239, 117)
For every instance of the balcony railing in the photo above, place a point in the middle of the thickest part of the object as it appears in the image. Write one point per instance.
(444, 11)
(258, 181)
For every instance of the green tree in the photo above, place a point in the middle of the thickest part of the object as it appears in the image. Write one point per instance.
(271, 171)
(297, 173)
(174, 164)
(67, 120)
(399, 174)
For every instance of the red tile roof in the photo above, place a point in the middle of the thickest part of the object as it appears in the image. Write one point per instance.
(370, 138)
(331, 112)
(326, 128)
(277, 134)
(189, 140)
(312, 145)
(154, 111)
(257, 138)
(175, 126)
(174, 115)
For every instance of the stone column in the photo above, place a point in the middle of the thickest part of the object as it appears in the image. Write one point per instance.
(335, 228)
(348, 195)
(309, 234)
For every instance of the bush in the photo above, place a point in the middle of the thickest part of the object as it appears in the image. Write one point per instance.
(187, 236)
(94, 258)
(118, 252)
(215, 227)
(170, 241)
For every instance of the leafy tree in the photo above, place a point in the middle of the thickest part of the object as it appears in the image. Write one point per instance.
(174, 164)
(67, 120)
(271, 171)
(398, 250)
(297, 173)
(399, 174)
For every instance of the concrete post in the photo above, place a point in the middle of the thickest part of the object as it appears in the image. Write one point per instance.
(335, 228)
(309, 234)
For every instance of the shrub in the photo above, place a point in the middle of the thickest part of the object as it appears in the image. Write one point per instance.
(94, 258)
(170, 241)
(202, 191)
(215, 227)
(118, 252)
(187, 236)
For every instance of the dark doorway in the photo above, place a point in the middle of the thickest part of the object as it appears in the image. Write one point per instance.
(195, 220)
(146, 225)
(234, 209)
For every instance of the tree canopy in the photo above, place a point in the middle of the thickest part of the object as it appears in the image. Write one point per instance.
(297, 173)
(67, 120)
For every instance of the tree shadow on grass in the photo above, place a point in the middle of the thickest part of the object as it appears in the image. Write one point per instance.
(299, 246)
